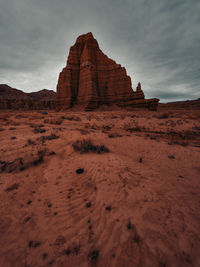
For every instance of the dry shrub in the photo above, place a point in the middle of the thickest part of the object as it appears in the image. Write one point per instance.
(53, 121)
(71, 118)
(20, 164)
(85, 146)
(163, 116)
(15, 165)
(178, 143)
(30, 142)
(48, 137)
(84, 132)
(114, 135)
(196, 127)
(39, 130)
(136, 128)
(20, 116)
(107, 127)
(12, 187)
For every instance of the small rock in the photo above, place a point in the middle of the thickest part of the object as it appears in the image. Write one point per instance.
(34, 244)
(67, 252)
(88, 204)
(93, 255)
(80, 170)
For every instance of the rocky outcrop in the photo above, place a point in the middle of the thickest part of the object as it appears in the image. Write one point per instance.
(186, 105)
(91, 79)
(11, 98)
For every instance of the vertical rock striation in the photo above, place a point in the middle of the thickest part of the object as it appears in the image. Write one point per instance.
(91, 79)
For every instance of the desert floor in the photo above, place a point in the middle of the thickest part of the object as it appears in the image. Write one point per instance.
(129, 197)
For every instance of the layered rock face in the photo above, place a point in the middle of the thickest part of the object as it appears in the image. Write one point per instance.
(11, 98)
(91, 79)
(186, 105)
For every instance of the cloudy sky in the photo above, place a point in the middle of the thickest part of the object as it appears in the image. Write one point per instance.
(157, 41)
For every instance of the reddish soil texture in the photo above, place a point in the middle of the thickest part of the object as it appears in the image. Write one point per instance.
(114, 188)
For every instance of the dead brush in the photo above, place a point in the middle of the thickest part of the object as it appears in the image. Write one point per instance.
(44, 138)
(85, 146)
(135, 128)
(163, 116)
(57, 121)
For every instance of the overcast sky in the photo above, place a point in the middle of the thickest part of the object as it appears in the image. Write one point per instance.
(157, 41)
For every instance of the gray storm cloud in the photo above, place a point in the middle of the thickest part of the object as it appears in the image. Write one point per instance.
(157, 41)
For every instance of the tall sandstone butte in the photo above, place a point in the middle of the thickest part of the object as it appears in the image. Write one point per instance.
(91, 79)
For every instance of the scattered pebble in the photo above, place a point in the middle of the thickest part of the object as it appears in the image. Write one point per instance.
(80, 170)
(88, 204)
(67, 252)
(129, 226)
(108, 208)
(93, 255)
(34, 244)
(44, 256)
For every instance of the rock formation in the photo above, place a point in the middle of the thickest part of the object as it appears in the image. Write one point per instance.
(186, 105)
(91, 79)
(11, 98)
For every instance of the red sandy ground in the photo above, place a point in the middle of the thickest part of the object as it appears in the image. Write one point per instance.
(137, 205)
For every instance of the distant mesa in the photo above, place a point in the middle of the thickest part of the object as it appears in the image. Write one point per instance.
(12, 98)
(91, 79)
(187, 104)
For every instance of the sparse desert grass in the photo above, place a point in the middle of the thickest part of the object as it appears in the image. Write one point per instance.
(30, 142)
(12, 187)
(42, 139)
(48, 137)
(83, 132)
(163, 116)
(181, 143)
(114, 117)
(132, 176)
(54, 121)
(15, 165)
(40, 157)
(129, 128)
(94, 126)
(114, 135)
(36, 118)
(39, 130)
(85, 146)
(22, 163)
(196, 127)
(71, 118)
(20, 116)
(107, 127)
(93, 255)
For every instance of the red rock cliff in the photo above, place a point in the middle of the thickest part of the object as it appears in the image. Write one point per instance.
(91, 79)
(12, 98)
